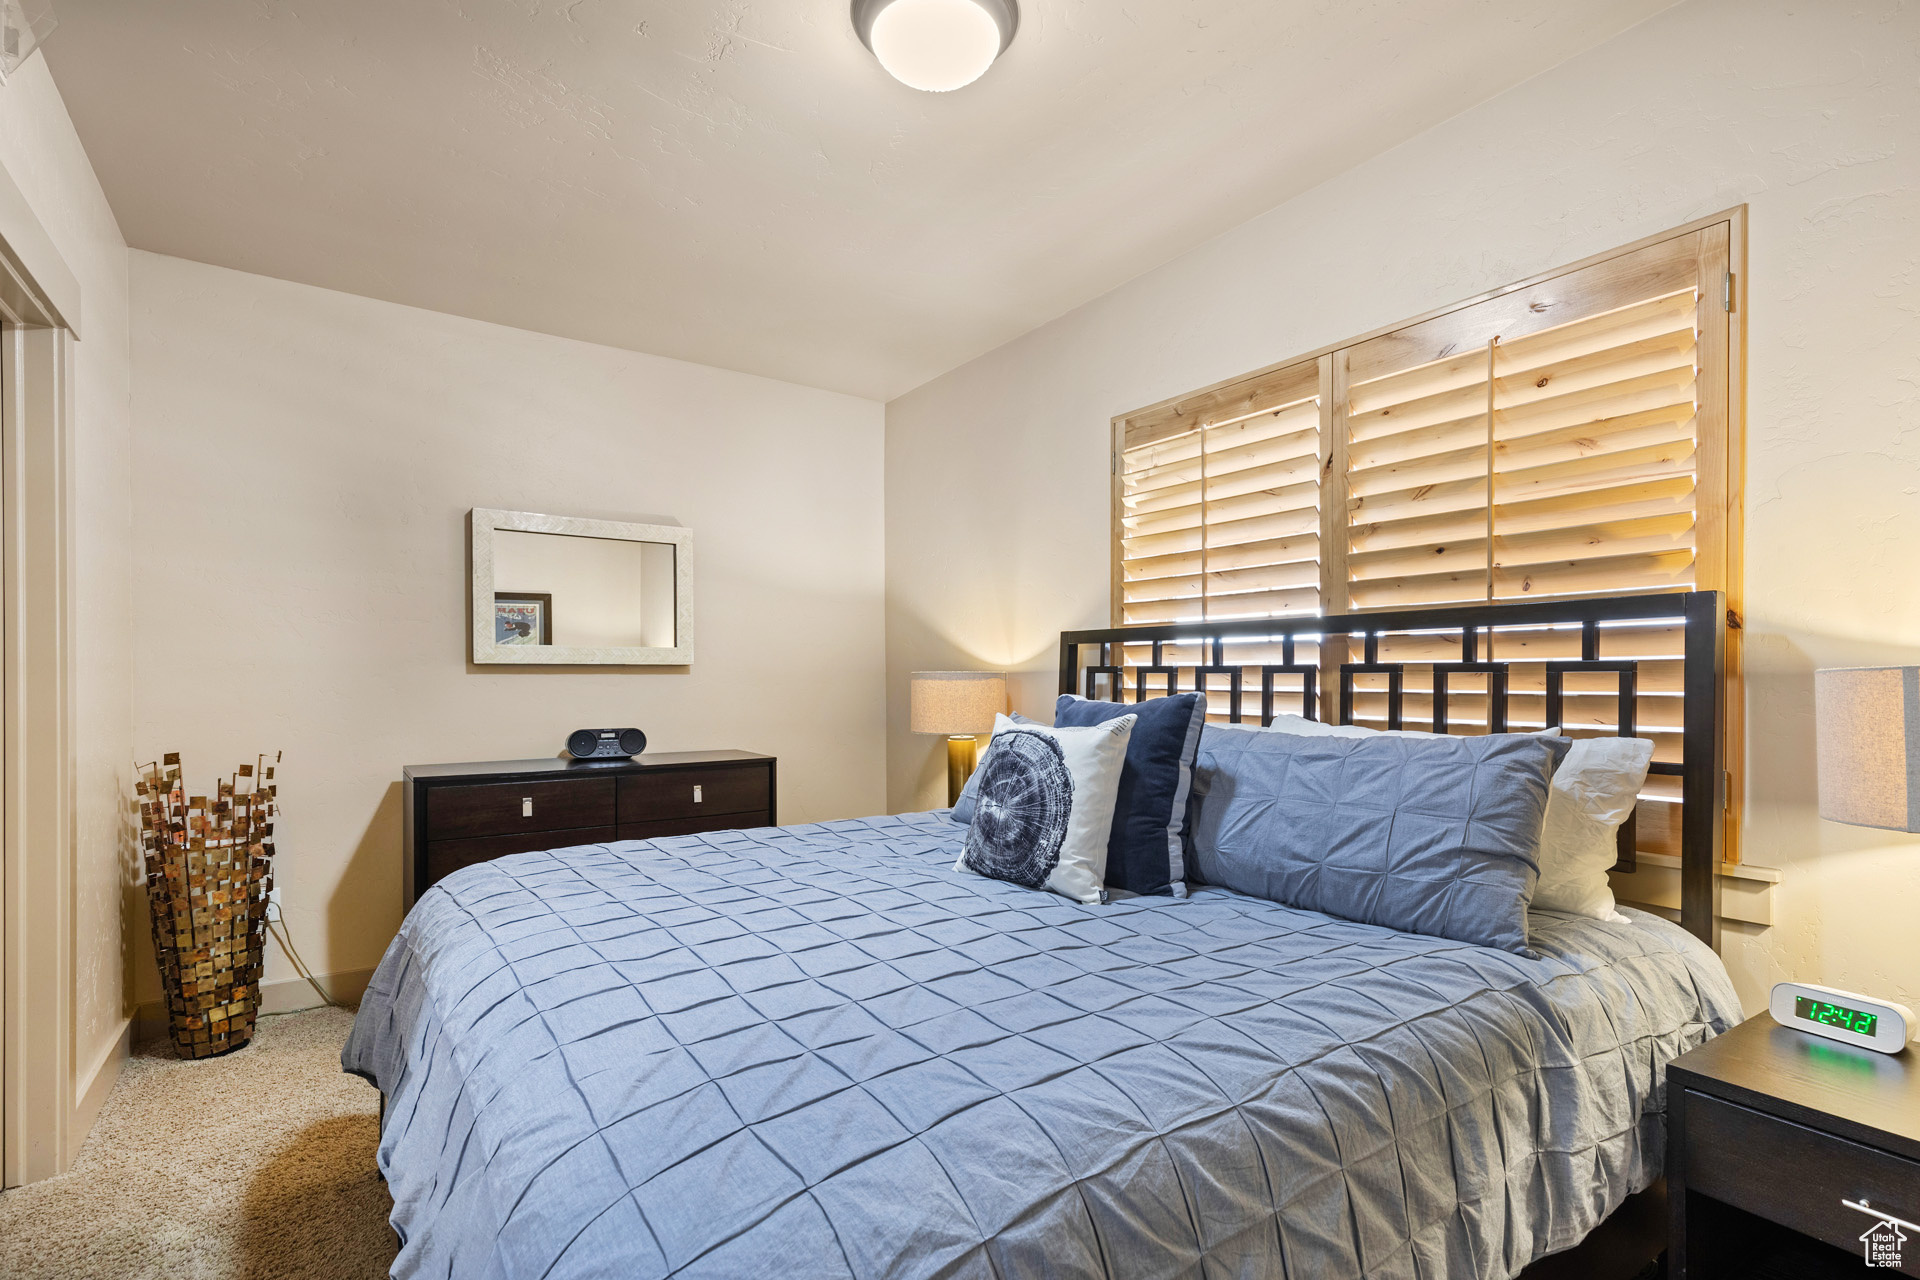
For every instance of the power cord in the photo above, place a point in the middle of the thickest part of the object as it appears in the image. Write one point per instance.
(277, 927)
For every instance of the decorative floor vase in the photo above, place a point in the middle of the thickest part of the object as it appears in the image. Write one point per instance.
(209, 872)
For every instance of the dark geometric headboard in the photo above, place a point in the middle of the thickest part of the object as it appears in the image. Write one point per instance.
(1259, 665)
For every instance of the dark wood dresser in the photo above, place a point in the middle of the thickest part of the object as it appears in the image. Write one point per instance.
(460, 814)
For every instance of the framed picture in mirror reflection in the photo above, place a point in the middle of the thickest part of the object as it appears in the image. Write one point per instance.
(522, 617)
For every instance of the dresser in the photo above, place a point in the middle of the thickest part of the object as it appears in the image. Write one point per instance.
(460, 814)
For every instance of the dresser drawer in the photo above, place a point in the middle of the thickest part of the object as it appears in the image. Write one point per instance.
(509, 808)
(695, 793)
(444, 857)
(691, 826)
(1796, 1176)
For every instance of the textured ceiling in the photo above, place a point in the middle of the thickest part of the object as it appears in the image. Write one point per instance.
(736, 182)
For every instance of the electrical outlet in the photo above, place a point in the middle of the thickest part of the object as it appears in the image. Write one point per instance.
(273, 903)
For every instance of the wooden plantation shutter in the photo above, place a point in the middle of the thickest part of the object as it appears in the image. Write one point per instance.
(1547, 442)
(1417, 468)
(1220, 505)
(1595, 454)
(1576, 434)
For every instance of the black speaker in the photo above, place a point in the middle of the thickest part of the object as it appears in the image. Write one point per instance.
(599, 744)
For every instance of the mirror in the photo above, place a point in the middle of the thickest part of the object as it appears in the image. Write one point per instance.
(560, 590)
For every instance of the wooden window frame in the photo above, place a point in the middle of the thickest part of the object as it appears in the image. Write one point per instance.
(1534, 304)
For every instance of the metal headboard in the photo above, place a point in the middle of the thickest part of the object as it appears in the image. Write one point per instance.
(1701, 768)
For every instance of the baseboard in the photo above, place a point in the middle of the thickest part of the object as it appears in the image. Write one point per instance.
(96, 1086)
(284, 995)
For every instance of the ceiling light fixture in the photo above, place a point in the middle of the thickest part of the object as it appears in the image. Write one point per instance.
(936, 45)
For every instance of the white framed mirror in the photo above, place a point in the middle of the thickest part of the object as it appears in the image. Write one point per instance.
(566, 591)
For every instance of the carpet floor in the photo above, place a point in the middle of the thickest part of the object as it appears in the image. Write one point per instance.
(253, 1166)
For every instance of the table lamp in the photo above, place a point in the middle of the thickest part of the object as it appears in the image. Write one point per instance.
(960, 704)
(1867, 745)
(1866, 724)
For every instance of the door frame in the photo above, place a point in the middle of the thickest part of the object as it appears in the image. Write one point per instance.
(39, 323)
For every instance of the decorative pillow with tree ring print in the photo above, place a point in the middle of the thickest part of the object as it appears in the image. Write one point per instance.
(1043, 806)
(962, 811)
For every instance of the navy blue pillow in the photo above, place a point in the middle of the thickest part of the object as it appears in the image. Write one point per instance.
(1146, 852)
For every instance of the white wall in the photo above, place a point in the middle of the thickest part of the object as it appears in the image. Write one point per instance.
(41, 153)
(305, 461)
(997, 483)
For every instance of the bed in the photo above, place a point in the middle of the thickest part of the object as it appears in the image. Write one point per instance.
(819, 1051)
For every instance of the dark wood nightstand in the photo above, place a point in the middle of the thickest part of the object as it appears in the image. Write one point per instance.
(1781, 1149)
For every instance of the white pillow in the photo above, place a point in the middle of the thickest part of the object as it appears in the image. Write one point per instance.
(1594, 791)
(1044, 807)
(1302, 727)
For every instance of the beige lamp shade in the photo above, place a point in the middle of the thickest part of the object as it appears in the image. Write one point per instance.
(1867, 739)
(955, 702)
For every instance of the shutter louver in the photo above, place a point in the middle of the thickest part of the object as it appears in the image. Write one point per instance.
(1220, 510)
(1593, 429)
(1417, 485)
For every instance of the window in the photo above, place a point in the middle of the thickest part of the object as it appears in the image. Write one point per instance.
(1573, 434)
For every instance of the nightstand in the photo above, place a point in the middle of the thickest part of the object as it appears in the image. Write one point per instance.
(1783, 1150)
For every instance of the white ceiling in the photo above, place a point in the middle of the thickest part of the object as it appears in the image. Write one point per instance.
(736, 182)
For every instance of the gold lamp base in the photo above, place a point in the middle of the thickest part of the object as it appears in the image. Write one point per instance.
(962, 752)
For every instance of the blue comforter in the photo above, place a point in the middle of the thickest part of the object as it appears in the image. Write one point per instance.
(819, 1051)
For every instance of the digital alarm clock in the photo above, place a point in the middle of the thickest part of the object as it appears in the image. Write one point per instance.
(1880, 1025)
(601, 744)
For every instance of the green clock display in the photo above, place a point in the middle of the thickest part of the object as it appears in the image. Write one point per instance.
(1835, 1015)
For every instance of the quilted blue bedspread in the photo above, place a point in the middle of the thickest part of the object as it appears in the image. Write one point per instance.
(818, 1051)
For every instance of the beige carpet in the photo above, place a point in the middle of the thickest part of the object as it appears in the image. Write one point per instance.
(255, 1165)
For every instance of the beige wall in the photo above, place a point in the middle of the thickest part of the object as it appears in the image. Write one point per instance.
(305, 463)
(997, 483)
(41, 153)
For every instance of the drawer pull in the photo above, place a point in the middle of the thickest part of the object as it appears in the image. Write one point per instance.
(697, 797)
(526, 806)
(1863, 1206)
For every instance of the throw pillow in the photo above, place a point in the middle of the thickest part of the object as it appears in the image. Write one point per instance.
(962, 811)
(1433, 835)
(1146, 852)
(1044, 808)
(1594, 791)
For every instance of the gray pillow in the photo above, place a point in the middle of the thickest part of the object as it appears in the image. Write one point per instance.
(1439, 836)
